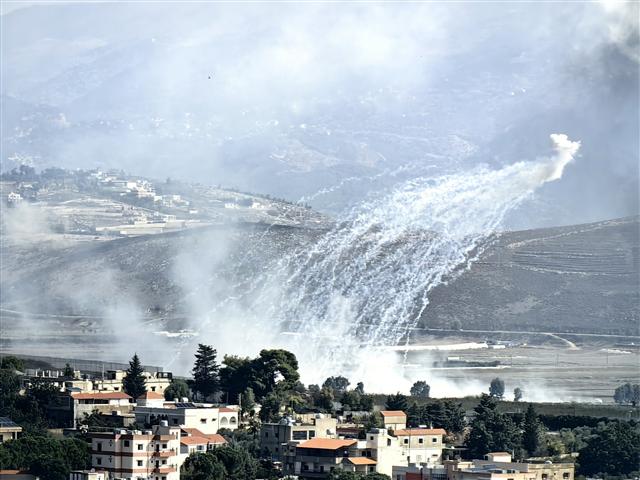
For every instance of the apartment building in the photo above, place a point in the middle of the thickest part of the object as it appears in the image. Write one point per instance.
(132, 454)
(542, 470)
(156, 382)
(421, 445)
(203, 416)
(318, 457)
(382, 447)
(275, 437)
(106, 403)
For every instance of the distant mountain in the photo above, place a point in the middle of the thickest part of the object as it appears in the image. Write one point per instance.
(309, 101)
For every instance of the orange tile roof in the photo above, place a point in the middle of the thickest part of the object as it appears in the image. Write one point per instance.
(205, 438)
(361, 460)
(393, 413)
(100, 396)
(327, 443)
(228, 410)
(151, 396)
(214, 439)
(410, 432)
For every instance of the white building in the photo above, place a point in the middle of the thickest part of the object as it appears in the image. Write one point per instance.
(132, 454)
(202, 416)
(421, 445)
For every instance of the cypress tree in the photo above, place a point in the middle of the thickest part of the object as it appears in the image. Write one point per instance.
(530, 430)
(205, 371)
(133, 382)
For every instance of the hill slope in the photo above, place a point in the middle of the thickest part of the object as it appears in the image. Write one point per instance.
(580, 279)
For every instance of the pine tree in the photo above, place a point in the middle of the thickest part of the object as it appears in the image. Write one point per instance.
(531, 430)
(68, 371)
(133, 382)
(248, 401)
(205, 371)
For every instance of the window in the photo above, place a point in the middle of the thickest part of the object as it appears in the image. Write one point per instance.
(99, 446)
(566, 475)
(153, 389)
(545, 476)
(305, 467)
(321, 468)
(126, 443)
(175, 421)
(140, 446)
(116, 388)
(203, 420)
(266, 434)
(164, 445)
(139, 462)
(421, 440)
(406, 441)
(200, 447)
(388, 442)
(164, 462)
(434, 440)
(99, 461)
(300, 435)
(164, 478)
(312, 434)
(371, 437)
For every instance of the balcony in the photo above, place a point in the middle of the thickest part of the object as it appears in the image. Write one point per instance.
(164, 469)
(163, 453)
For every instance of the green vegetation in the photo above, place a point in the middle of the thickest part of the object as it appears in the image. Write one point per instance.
(496, 389)
(206, 380)
(531, 431)
(491, 431)
(397, 402)
(68, 371)
(12, 363)
(517, 394)
(133, 384)
(47, 457)
(226, 462)
(420, 389)
(613, 450)
(177, 389)
(445, 414)
(627, 394)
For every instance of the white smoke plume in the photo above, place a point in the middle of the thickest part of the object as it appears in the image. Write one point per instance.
(366, 283)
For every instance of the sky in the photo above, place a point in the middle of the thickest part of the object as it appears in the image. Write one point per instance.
(325, 102)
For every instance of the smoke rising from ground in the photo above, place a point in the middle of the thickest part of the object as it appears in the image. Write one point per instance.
(365, 283)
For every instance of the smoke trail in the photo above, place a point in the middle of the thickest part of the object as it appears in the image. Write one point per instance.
(367, 281)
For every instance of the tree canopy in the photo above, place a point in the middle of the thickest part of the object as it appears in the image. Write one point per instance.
(420, 389)
(496, 389)
(491, 431)
(134, 383)
(397, 402)
(613, 450)
(205, 372)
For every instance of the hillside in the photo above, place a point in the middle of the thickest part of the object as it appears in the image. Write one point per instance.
(580, 279)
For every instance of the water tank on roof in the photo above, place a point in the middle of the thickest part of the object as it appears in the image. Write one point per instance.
(164, 423)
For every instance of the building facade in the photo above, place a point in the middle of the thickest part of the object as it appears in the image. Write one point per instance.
(132, 454)
(275, 437)
(203, 416)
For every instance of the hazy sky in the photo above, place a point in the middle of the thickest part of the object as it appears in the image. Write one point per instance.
(342, 99)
